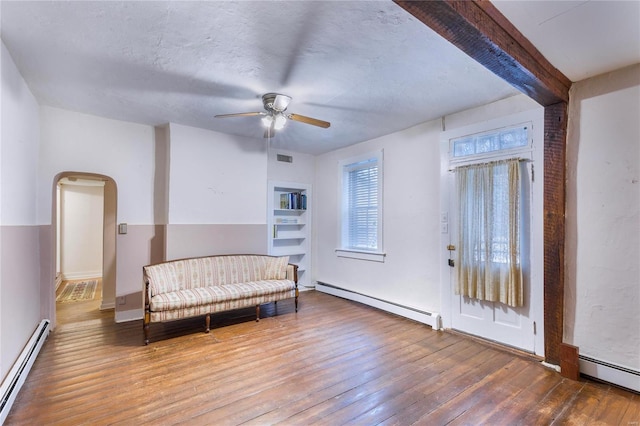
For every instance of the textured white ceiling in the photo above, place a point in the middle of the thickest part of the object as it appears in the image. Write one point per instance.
(580, 38)
(368, 67)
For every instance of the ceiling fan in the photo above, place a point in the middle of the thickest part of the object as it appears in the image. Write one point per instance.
(274, 117)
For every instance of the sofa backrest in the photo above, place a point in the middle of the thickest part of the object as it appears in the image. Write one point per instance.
(213, 270)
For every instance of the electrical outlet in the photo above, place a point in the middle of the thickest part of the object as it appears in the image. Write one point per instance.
(122, 300)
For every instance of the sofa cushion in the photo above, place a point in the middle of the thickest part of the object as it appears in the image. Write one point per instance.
(166, 277)
(276, 268)
(238, 269)
(219, 293)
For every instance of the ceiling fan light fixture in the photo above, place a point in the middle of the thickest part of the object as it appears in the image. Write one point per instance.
(280, 121)
(274, 116)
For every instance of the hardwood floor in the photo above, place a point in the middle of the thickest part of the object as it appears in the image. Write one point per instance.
(334, 362)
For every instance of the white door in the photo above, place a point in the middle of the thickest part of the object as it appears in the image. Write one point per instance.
(493, 320)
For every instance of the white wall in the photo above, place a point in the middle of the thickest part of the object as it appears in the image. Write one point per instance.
(20, 136)
(217, 193)
(81, 228)
(301, 170)
(78, 142)
(19, 233)
(602, 315)
(492, 111)
(410, 273)
(216, 178)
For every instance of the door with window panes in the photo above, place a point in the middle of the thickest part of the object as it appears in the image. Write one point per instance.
(482, 244)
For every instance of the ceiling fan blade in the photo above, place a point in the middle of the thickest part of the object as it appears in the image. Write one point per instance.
(281, 102)
(309, 120)
(240, 114)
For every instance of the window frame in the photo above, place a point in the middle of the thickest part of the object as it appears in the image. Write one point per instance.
(345, 167)
(525, 150)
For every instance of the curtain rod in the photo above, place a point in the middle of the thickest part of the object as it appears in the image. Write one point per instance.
(522, 160)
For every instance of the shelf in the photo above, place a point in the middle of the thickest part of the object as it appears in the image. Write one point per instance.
(301, 268)
(294, 251)
(287, 233)
(289, 228)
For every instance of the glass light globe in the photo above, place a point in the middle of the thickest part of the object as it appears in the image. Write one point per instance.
(281, 120)
(267, 120)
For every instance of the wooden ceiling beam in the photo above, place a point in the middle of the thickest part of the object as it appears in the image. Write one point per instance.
(482, 32)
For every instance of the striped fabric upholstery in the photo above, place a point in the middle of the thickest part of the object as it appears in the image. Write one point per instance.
(235, 269)
(218, 293)
(198, 286)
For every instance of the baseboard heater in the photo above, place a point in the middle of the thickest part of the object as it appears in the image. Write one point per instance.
(430, 318)
(611, 373)
(18, 373)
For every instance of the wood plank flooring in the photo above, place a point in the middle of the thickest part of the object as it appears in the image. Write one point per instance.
(334, 362)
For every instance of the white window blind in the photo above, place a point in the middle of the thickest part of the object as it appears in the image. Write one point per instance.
(362, 204)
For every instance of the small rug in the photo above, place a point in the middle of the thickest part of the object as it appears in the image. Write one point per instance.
(77, 292)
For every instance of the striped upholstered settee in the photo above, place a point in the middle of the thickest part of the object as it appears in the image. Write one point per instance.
(201, 286)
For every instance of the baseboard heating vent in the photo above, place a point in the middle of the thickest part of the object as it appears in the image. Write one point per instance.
(430, 318)
(18, 373)
(611, 373)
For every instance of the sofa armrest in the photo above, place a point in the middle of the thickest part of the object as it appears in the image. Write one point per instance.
(292, 273)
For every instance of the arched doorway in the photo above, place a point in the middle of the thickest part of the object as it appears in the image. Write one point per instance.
(109, 217)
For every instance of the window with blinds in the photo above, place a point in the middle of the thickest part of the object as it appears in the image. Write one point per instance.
(362, 203)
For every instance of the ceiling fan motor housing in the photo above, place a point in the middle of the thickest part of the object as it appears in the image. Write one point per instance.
(275, 102)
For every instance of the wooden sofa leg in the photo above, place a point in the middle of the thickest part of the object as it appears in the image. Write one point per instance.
(207, 323)
(257, 313)
(145, 325)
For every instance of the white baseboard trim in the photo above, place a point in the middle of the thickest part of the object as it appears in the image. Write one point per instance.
(87, 275)
(610, 373)
(430, 318)
(130, 315)
(107, 305)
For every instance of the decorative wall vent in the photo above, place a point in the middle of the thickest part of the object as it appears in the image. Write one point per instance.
(285, 158)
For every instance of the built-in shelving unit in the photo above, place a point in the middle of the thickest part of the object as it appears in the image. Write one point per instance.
(289, 225)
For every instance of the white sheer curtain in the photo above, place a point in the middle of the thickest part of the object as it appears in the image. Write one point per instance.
(489, 265)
